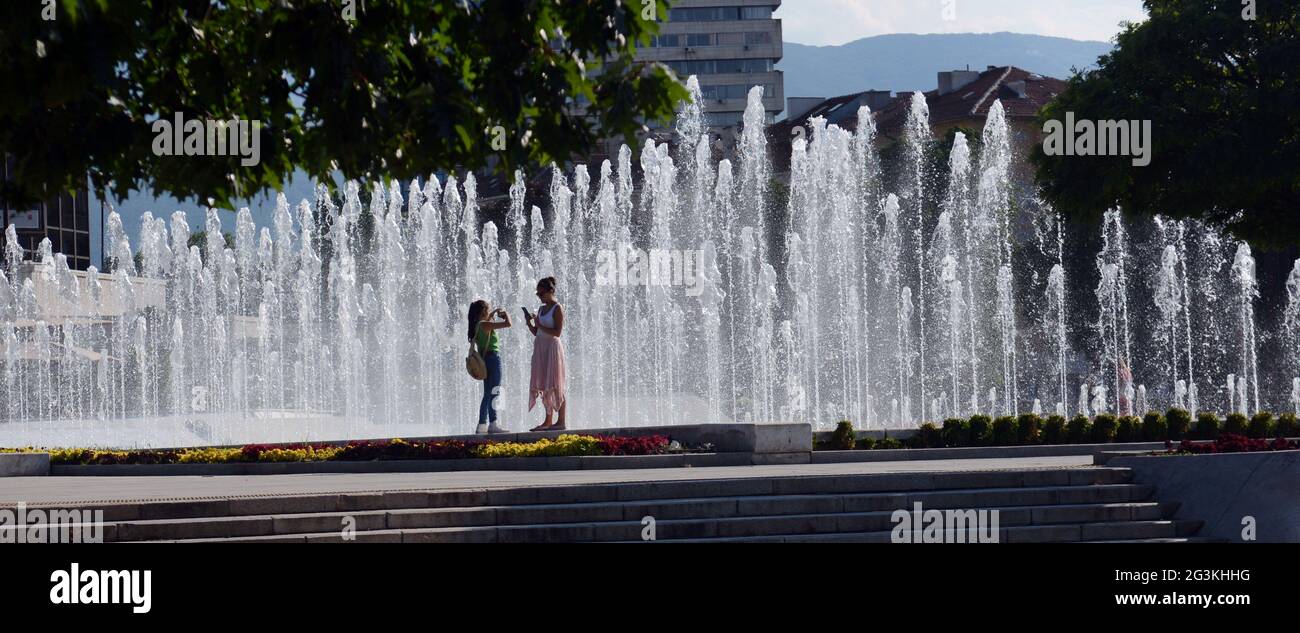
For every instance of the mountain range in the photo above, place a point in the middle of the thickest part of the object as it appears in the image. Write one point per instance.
(908, 62)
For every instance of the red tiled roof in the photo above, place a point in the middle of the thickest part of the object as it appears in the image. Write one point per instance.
(974, 99)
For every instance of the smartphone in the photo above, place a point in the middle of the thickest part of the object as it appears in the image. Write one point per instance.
(527, 314)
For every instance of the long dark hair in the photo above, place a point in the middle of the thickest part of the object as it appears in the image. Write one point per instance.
(476, 311)
(548, 283)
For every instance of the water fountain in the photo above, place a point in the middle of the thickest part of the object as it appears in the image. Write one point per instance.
(345, 316)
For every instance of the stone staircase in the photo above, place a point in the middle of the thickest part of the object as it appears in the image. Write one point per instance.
(1039, 505)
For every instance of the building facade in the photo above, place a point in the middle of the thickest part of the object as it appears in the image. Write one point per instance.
(730, 45)
(64, 219)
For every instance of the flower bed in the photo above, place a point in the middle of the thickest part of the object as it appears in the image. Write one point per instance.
(1232, 443)
(396, 449)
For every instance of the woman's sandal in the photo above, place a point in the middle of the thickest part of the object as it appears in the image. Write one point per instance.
(541, 427)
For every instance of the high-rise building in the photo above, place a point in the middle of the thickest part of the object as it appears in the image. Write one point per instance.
(730, 45)
(64, 219)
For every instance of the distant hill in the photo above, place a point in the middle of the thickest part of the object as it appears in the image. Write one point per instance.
(907, 62)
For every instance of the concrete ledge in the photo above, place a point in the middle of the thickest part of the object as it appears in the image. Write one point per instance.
(896, 434)
(767, 459)
(1101, 458)
(24, 464)
(980, 452)
(588, 462)
(1223, 489)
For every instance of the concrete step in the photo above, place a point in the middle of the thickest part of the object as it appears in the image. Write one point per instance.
(1135, 531)
(1180, 539)
(661, 509)
(1033, 505)
(898, 483)
(1058, 522)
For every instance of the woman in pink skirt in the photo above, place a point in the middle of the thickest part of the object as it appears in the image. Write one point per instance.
(547, 381)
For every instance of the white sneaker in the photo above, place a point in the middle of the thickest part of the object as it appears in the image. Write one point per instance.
(482, 429)
(493, 428)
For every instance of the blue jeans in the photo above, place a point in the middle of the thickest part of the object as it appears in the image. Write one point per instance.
(487, 410)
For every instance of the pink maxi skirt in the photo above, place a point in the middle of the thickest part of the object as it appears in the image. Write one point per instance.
(548, 378)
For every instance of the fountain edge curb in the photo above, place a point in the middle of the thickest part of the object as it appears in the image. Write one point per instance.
(980, 452)
(24, 464)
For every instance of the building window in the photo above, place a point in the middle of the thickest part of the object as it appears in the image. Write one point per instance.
(719, 14)
(63, 219)
(705, 40)
(717, 66)
(731, 39)
(722, 119)
(731, 91)
(699, 39)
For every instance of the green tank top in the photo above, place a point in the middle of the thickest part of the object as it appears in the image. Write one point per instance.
(487, 341)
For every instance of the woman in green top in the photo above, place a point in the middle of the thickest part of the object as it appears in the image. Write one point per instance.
(482, 330)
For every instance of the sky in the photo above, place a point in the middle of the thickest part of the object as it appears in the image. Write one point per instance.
(834, 22)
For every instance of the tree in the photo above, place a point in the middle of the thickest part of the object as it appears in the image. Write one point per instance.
(1222, 93)
(391, 88)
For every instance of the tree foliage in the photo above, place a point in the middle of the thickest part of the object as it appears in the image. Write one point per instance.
(1223, 95)
(404, 89)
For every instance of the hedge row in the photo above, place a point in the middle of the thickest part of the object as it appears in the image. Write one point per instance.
(397, 449)
(1029, 429)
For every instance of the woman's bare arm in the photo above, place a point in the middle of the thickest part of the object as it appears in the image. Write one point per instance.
(497, 325)
(530, 320)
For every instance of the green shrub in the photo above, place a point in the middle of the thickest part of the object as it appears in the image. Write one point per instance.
(1261, 426)
(1287, 425)
(1054, 430)
(1235, 424)
(843, 438)
(1129, 429)
(1004, 431)
(1155, 428)
(865, 444)
(956, 432)
(1028, 429)
(1079, 430)
(1104, 428)
(981, 430)
(887, 443)
(1207, 426)
(928, 436)
(1179, 422)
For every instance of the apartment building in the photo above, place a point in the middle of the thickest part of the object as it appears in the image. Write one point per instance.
(730, 45)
